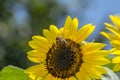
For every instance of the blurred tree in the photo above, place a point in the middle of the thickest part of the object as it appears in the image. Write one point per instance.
(19, 20)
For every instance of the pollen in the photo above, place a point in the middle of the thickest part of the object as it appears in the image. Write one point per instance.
(64, 58)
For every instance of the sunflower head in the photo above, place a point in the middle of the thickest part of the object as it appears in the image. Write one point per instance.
(61, 54)
(114, 38)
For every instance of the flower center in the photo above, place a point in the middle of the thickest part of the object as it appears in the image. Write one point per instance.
(64, 58)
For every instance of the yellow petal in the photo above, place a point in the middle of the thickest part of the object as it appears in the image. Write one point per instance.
(51, 37)
(32, 45)
(114, 31)
(96, 61)
(83, 33)
(33, 77)
(39, 42)
(116, 67)
(37, 71)
(90, 47)
(116, 52)
(82, 75)
(116, 59)
(49, 77)
(100, 69)
(73, 29)
(75, 23)
(91, 71)
(108, 35)
(84, 71)
(36, 56)
(37, 47)
(110, 26)
(55, 30)
(70, 27)
(71, 78)
(115, 43)
(99, 53)
(68, 22)
(116, 20)
(66, 28)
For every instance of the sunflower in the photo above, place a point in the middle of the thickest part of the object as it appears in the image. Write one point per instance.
(114, 37)
(62, 54)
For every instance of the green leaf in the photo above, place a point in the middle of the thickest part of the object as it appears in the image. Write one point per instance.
(13, 73)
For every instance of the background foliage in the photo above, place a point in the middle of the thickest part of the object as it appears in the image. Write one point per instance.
(19, 20)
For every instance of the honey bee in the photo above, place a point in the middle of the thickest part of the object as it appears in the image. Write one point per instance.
(62, 40)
